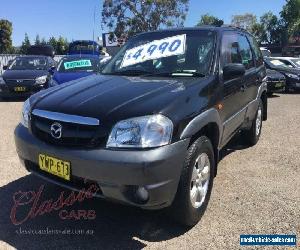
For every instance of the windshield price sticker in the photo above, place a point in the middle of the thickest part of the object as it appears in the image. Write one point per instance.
(77, 64)
(170, 46)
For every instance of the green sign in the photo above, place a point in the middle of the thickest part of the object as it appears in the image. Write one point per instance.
(77, 64)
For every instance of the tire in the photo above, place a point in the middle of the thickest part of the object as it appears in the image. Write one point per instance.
(183, 210)
(252, 135)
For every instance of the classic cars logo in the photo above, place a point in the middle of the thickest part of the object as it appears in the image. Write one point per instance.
(29, 204)
(56, 130)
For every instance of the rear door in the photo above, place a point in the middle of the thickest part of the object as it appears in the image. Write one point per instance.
(250, 79)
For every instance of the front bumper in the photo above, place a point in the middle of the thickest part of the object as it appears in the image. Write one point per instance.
(293, 83)
(276, 86)
(118, 173)
(9, 93)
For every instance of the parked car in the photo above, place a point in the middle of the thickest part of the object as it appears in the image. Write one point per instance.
(73, 67)
(275, 82)
(292, 75)
(292, 62)
(265, 51)
(25, 76)
(41, 50)
(149, 129)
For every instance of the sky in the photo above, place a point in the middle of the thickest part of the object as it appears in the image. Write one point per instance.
(74, 19)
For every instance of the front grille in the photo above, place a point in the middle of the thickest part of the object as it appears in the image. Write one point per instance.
(73, 134)
(16, 81)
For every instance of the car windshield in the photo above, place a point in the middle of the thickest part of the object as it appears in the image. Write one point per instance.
(169, 53)
(277, 63)
(29, 63)
(296, 61)
(75, 64)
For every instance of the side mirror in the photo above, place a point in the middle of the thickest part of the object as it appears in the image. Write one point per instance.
(233, 70)
(5, 67)
(52, 69)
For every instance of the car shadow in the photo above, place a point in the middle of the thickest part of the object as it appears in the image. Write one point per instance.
(19, 99)
(235, 144)
(115, 226)
(273, 96)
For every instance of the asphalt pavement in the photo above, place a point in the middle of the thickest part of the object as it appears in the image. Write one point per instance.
(256, 191)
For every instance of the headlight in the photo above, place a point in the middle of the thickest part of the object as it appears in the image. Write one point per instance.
(25, 113)
(40, 80)
(2, 82)
(141, 132)
(293, 76)
(52, 83)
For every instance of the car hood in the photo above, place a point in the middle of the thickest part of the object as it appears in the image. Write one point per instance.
(24, 74)
(274, 74)
(284, 70)
(113, 98)
(60, 77)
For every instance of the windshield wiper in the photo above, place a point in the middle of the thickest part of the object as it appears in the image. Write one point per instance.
(177, 73)
(131, 72)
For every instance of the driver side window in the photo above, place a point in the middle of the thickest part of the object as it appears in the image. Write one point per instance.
(230, 49)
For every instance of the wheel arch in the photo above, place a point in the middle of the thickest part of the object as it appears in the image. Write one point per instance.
(209, 124)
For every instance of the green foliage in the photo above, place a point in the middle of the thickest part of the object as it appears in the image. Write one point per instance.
(60, 45)
(5, 36)
(291, 17)
(128, 17)
(25, 45)
(245, 21)
(207, 19)
(37, 40)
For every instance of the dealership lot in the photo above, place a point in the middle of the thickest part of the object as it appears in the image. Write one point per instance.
(256, 191)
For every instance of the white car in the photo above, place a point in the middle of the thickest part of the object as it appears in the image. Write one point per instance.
(292, 62)
(265, 51)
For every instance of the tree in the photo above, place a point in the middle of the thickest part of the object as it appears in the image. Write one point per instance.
(62, 46)
(291, 16)
(245, 21)
(271, 27)
(5, 36)
(258, 31)
(128, 17)
(25, 45)
(207, 19)
(52, 41)
(37, 40)
(43, 41)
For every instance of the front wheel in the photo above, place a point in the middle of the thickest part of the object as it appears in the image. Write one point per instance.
(195, 183)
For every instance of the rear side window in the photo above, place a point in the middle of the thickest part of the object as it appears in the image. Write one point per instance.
(230, 49)
(245, 51)
(257, 52)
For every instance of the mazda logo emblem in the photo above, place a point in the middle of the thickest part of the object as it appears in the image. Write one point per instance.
(19, 81)
(56, 130)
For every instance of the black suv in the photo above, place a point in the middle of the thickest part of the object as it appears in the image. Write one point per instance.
(148, 130)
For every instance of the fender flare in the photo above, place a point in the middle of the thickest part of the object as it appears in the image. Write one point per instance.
(200, 121)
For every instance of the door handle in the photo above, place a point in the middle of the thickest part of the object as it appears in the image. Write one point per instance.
(243, 87)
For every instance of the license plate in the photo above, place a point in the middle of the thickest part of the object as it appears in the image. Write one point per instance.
(277, 85)
(55, 166)
(20, 89)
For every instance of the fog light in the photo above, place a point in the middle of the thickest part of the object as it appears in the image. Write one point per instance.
(142, 193)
